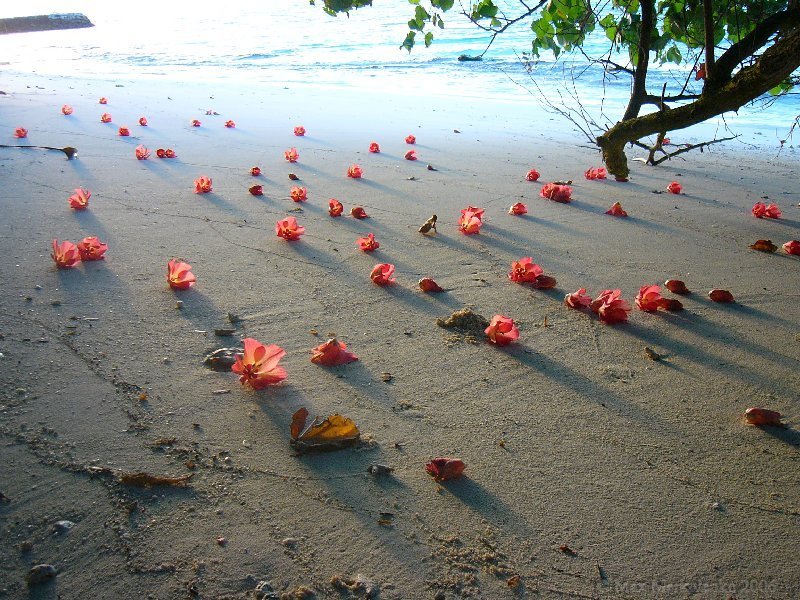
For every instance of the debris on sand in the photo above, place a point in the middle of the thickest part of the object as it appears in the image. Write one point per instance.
(146, 480)
(466, 325)
(39, 574)
(222, 359)
(358, 586)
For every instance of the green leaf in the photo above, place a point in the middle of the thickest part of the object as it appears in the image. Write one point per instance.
(408, 43)
(428, 39)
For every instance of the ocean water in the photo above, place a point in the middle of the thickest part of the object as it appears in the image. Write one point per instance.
(290, 41)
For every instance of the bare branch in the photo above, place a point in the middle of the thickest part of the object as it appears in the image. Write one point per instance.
(690, 147)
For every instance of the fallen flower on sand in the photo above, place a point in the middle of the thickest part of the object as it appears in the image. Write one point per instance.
(676, 286)
(288, 229)
(596, 173)
(578, 299)
(359, 213)
(103, 100)
(91, 248)
(66, 109)
(299, 131)
(196, 123)
(524, 270)
(533, 175)
(763, 246)
(369, 243)
(428, 285)
(256, 190)
(518, 209)
(143, 121)
(444, 468)
(230, 124)
(556, 192)
(382, 274)
(179, 275)
(674, 188)
(202, 185)
(161, 153)
(65, 254)
(761, 210)
(410, 139)
(169, 153)
(20, 132)
(258, 365)
(671, 304)
(105, 118)
(332, 354)
(410, 155)
(717, 295)
(471, 220)
(80, 199)
(124, 131)
(792, 247)
(255, 171)
(649, 298)
(374, 147)
(141, 152)
(335, 208)
(298, 194)
(544, 282)
(763, 417)
(610, 307)
(355, 172)
(291, 155)
(616, 210)
(331, 433)
(501, 330)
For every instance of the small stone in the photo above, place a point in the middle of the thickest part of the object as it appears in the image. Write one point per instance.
(26, 546)
(264, 591)
(179, 304)
(386, 377)
(289, 542)
(221, 541)
(40, 574)
(62, 526)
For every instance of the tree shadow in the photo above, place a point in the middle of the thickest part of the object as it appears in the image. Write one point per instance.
(786, 435)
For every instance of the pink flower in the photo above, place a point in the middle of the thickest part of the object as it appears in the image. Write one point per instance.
(179, 275)
(169, 153)
(143, 121)
(80, 199)
(298, 194)
(524, 271)
(596, 173)
(444, 468)
(426, 284)
(355, 172)
(501, 330)
(196, 123)
(792, 247)
(649, 298)
(142, 153)
(258, 365)
(410, 139)
(772, 211)
(359, 213)
(410, 155)
(759, 210)
(202, 185)
(518, 209)
(368, 244)
(299, 131)
(616, 210)
(291, 155)
(103, 100)
(124, 131)
(256, 190)
(374, 147)
(533, 175)
(470, 222)
(382, 274)
(610, 307)
(66, 109)
(91, 248)
(335, 208)
(288, 229)
(674, 188)
(332, 354)
(230, 124)
(105, 118)
(556, 192)
(579, 299)
(65, 254)
(255, 171)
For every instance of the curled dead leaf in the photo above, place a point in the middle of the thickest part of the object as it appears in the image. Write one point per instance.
(651, 354)
(763, 246)
(293, 177)
(331, 433)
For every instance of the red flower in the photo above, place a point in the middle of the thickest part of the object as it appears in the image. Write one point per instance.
(772, 211)
(230, 124)
(717, 295)
(355, 172)
(649, 298)
(792, 247)
(169, 153)
(124, 131)
(105, 118)
(202, 185)
(670, 304)
(596, 173)
(179, 275)
(291, 155)
(374, 147)
(518, 209)
(298, 194)
(610, 307)
(65, 254)
(674, 188)
(410, 139)
(501, 330)
(471, 220)
(288, 229)
(66, 109)
(256, 190)
(524, 271)
(477, 212)
(544, 282)
(258, 365)
(142, 153)
(103, 100)
(195, 123)
(255, 171)
(382, 274)
(410, 155)
(91, 248)
(616, 210)
(143, 121)
(445, 468)
(579, 299)
(759, 210)
(676, 286)
(161, 153)
(533, 175)
(80, 199)
(335, 208)
(20, 132)
(701, 72)
(763, 417)
(359, 213)
(332, 354)
(300, 131)
(556, 192)
(368, 244)
(426, 284)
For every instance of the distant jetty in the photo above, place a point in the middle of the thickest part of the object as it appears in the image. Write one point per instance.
(44, 23)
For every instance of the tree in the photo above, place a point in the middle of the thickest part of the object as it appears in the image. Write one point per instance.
(740, 49)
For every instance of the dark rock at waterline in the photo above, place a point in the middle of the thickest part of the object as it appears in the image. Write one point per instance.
(44, 23)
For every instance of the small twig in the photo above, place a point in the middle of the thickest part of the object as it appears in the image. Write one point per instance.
(68, 150)
(688, 147)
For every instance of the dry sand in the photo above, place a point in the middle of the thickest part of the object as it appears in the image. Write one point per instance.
(592, 471)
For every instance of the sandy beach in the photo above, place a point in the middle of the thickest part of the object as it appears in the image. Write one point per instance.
(592, 471)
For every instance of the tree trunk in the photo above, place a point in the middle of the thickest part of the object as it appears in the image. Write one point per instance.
(773, 67)
(639, 89)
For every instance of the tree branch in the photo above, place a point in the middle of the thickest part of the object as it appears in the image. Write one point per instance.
(639, 90)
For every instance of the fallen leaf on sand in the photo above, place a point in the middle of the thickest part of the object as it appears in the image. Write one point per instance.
(567, 550)
(146, 480)
(763, 246)
(428, 225)
(331, 433)
(445, 468)
(293, 177)
(763, 417)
